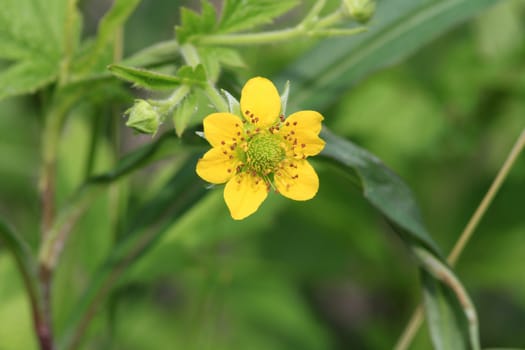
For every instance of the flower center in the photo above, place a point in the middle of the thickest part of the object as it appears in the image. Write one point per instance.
(264, 153)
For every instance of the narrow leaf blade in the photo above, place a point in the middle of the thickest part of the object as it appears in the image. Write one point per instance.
(394, 199)
(397, 30)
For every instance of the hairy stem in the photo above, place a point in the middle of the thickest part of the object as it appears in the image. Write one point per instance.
(215, 98)
(309, 27)
(416, 319)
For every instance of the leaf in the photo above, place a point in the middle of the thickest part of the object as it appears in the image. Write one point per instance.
(398, 29)
(213, 57)
(183, 113)
(445, 322)
(394, 199)
(237, 15)
(32, 37)
(26, 77)
(149, 223)
(193, 24)
(107, 28)
(192, 75)
(156, 81)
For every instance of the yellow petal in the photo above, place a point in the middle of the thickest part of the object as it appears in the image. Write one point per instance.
(243, 195)
(223, 129)
(216, 167)
(300, 131)
(296, 179)
(260, 102)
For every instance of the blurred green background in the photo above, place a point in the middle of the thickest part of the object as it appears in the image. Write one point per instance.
(324, 274)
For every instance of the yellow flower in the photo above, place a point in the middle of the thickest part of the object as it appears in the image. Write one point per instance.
(262, 150)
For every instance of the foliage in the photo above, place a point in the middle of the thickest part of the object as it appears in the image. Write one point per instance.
(125, 247)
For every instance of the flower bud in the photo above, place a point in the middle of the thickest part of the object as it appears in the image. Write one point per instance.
(360, 10)
(143, 117)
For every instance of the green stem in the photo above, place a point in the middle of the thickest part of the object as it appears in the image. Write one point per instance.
(487, 200)
(331, 19)
(190, 54)
(253, 38)
(442, 272)
(417, 316)
(60, 105)
(164, 51)
(28, 270)
(308, 27)
(215, 98)
(166, 105)
(180, 194)
(52, 247)
(314, 13)
(69, 41)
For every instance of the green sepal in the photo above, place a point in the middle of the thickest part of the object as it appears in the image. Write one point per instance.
(143, 117)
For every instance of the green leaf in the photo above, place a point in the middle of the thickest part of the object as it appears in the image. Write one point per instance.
(183, 112)
(193, 24)
(213, 58)
(445, 322)
(394, 199)
(192, 75)
(399, 28)
(237, 15)
(149, 223)
(107, 29)
(156, 81)
(26, 77)
(32, 36)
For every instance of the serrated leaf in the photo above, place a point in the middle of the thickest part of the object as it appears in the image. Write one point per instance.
(32, 36)
(192, 75)
(26, 77)
(157, 81)
(193, 24)
(213, 57)
(394, 199)
(237, 15)
(397, 30)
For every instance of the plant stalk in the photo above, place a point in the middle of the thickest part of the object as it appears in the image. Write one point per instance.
(416, 319)
(309, 27)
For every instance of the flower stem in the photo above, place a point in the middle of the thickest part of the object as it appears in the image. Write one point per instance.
(417, 316)
(252, 38)
(314, 12)
(489, 197)
(53, 124)
(308, 27)
(215, 98)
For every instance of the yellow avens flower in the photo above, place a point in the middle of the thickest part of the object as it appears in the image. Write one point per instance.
(261, 150)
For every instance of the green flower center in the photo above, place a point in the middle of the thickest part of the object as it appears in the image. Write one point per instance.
(264, 153)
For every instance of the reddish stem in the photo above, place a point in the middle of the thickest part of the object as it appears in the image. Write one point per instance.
(43, 321)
